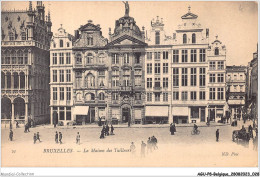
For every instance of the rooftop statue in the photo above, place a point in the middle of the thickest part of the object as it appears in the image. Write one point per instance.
(126, 9)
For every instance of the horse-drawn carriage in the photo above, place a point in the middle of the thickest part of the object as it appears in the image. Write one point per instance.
(240, 135)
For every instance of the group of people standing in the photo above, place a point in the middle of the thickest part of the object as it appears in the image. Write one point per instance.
(58, 137)
(105, 131)
(151, 145)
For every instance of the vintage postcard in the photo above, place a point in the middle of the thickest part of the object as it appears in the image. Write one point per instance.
(129, 84)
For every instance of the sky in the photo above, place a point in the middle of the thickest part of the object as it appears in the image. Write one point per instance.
(235, 22)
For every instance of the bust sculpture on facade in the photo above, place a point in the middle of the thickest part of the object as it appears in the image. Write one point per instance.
(126, 8)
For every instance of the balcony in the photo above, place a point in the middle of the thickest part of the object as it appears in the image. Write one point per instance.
(126, 88)
(157, 88)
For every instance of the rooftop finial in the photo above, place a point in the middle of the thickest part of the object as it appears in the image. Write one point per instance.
(216, 37)
(30, 5)
(60, 25)
(157, 20)
(127, 9)
(189, 8)
(49, 16)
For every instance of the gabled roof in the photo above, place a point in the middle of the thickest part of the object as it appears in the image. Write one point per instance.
(127, 37)
(189, 15)
(90, 27)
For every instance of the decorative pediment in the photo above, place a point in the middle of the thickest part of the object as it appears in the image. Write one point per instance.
(189, 15)
(126, 40)
(90, 27)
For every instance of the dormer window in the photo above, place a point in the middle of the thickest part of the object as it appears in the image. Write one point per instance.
(23, 36)
(157, 37)
(184, 38)
(193, 38)
(90, 40)
(61, 43)
(11, 36)
(216, 51)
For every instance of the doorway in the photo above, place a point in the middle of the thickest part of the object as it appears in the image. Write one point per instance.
(126, 116)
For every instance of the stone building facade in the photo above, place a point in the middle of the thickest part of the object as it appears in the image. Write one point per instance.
(25, 71)
(61, 81)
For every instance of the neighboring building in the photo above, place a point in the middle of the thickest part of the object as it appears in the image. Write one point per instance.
(126, 52)
(189, 70)
(25, 65)
(252, 87)
(158, 74)
(90, 75)
(61, 81)
(216, 59)
(236, 90)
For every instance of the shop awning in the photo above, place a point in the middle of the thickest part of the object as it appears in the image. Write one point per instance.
(156, 111)
(180, 111)
(80, 110)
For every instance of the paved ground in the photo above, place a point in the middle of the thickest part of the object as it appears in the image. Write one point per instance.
(181, 149)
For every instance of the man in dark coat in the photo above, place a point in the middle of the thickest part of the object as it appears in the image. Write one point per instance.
(102, 135)
(38, 136)
(107, 130)
(217, 135)
(55, 118)
(11, 135)
(34, 138)
(174, 128)
(56, 137)
(11, 125)
(60, 137)
(171, 129)
(112, 130)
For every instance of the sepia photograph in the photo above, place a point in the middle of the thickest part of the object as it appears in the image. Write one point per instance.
(129, 84)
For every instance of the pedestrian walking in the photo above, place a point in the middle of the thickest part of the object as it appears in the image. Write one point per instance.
(34, 138)
(11, 134)
(143, 145)
(102, 135)
(11, 125)
(217, 135)
(17, 124)
(107, 130)
(171, 129)
(154, 142)
(78, 138)
(55, 118)
(60, 137)
(112, 130)
(132, 148)
(38, 136)
(149, 145)
(56, 137)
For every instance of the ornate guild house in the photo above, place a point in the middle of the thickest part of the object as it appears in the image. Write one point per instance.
(25, 65)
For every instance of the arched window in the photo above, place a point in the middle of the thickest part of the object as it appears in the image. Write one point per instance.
(78, 96)
(101, 96)
(184, 38)
(90, 97)
(22, 80)
(68, 44)
(216, 51)
(20, 57)
(157, 37)
(61, 43)
(14, 59)
(26, 57)
(78, 59)
(3, 57)
(11, 36)
(16, 80)
(89, 81)
(8, 78)
(23, 36)
(2, 80)
(193, 38)
(7, 57)
(89, 58)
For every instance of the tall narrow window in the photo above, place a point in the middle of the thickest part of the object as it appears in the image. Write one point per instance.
(54, 58)
(175, 77)
(23, 36)
(216, 51)
(165, 54)
(149, 68)
(90, 59)
(8, 77)
(165, 82)
(193, 76)
(202, 55)
(67, 58)
(78, 59)
(54, 93)
(68, 93)
(157, 69)
(184, 56)
(212, 93)
(61, 75)
(149, 82)
(165, 68)
(184, 77)
(11, 36)
(61, 43)
(61, 58)
(126, 58)
(202, 76)
(157, 37)
(54, 74)
(2, 80)
(175, 56)
(184, 38)
(68, 75)
(193, 55)
(61, 93)
(193, 38)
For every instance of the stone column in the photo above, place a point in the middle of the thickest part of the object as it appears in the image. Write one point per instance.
(13, 114)
(5, 81)
(26, 112)
(51, 115)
